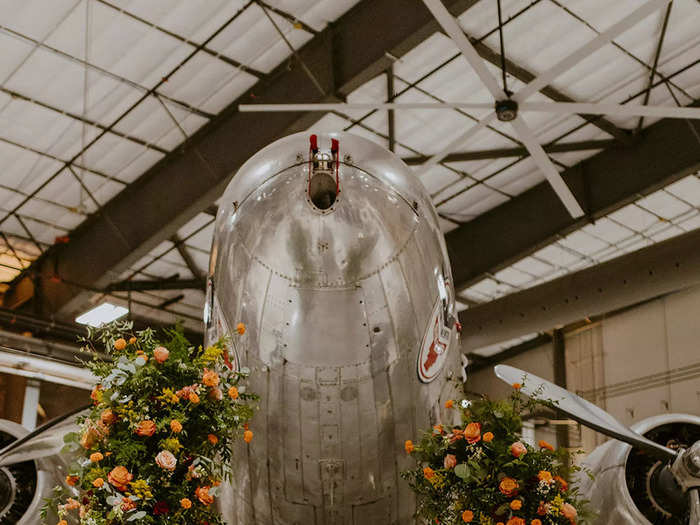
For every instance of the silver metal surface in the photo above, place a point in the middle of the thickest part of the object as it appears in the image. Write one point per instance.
(607, 489)
(350, 332)
(579, 409)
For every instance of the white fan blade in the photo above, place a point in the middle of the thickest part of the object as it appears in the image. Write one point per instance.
(574, 58)
(538, 154)
(619, 110)
(361, 106)
(456, 144)
(454, 31)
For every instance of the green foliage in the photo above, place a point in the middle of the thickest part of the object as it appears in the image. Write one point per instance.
(139, 396)
(473, 472)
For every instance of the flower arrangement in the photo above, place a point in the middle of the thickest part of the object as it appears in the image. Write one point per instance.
(481, 472)
(156, 444)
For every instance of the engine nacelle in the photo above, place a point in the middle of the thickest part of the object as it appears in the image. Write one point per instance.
(631, 487)
(23, 486)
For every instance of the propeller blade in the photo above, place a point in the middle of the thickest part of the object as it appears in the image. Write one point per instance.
(694, 500)
(579, 409)
(457, 143)
(454, 31)
(47, 440)
(620, 110)
(361, 106)
(528, 138)
(591, 47)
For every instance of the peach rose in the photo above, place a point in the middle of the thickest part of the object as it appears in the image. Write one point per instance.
(127, 504)
(108, 417)
(248, 436)
(120, 344)
(569, 512)
(98, 483)
(210, 378)
(240, 328)
(515, 521)
(212, 439)
(185, 503)
(428, 473)
(233, 392)
(96, 457)
(90, 438)
(71, 504)
(408, 446)
(467, 516)
(202, 494)
(132, 340)
(146, 428)
(161, 354)
(120, 478)
(216, 394)
(518, 449)
(488, 437)
(473, 433)
(449, 403)
(62, 522)
(516, 504)
(542, 508)
(176, 426)
(508, 486)
(72, 480)
(166, 460)
(450, 461)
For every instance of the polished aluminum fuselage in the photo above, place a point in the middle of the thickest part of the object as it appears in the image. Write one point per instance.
(348, 338)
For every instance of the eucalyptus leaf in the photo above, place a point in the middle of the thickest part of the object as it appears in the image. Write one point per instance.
(137, 516)
(462, 471)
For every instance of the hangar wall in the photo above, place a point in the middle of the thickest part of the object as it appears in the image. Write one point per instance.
(636, 363)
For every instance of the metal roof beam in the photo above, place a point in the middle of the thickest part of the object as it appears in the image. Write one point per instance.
(188, 180)
(663, 152)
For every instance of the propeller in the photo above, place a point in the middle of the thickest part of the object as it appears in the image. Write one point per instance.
(507, 106)
(684, 465)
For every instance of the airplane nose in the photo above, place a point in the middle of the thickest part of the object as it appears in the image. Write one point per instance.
(324, 169)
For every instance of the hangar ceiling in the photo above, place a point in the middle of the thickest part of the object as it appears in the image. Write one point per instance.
(119, 130)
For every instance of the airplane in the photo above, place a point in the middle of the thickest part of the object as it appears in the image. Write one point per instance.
(328, 248)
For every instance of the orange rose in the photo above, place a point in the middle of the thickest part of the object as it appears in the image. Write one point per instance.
(202, 494)
(212, 439)
(408, 446)
(438, 429)
(449, 403)
(146, 428)
(536, 522)
(161, 354)
(120, 478)
(210, 378)
(516, 504)
(248, 436)
(545, 475)
(71, 504)
(473, 433)
(98, 483)
(233, 392)
(128, 504)
(544, 444)
(508, 486)
(517, 386)
(108, 417)
(562, 483)
(216, 394)
(62, 522)
(194, 398)
(185, 503)
(176, 426)
(428, 473)
(120, 344)
(89, 438)
(515, 521)
(569, 512)
(542, 508)
(240, 328)
(72, 480)
(132, 340)
(450, 461)
(96, 457)
(518, 449)
(488, 437)
(467, 516)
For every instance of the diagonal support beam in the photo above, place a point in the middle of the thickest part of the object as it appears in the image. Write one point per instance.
(664, 152)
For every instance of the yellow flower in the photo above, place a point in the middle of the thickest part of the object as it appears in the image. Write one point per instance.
(172, 444)
(545, 475)
(141, 489)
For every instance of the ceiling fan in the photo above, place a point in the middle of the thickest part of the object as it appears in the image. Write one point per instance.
(507, 106)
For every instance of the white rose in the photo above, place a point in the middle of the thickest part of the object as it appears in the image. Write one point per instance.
(166, 460)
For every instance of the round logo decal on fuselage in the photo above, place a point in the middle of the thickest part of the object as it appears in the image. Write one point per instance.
(434, 347)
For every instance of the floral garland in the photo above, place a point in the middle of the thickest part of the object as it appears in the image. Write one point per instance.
(156, 444)
(481, 472)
